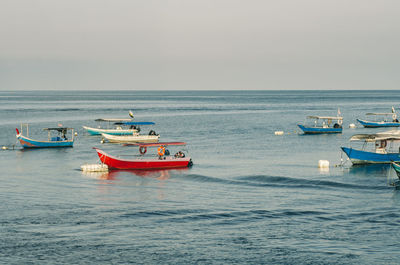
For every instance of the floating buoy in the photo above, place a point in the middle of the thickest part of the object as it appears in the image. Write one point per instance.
(352, 125)
(279, 133)
(94, 167)
(76, 134)
(4, 148)
(323, 164)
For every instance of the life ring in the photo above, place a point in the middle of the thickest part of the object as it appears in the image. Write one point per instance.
(142, 150)
(161, 150)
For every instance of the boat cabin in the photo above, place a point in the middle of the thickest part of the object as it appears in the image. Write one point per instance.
(111, 123)
(379, 143)
(162, 149)
(136, 125)
(55, 134)
(383, 117)
(325, 121)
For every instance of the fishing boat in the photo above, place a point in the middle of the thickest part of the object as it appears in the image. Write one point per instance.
(136, 137)
(396, 168)
(323, 124)
(60, 140)
(161, 160)
(388, 120)
(375, 148)
(113, 127)
(152, 137)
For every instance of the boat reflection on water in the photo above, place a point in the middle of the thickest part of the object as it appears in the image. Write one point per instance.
(376, 170)
(114, 174)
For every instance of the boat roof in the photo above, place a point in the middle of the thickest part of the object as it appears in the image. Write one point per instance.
(60, 129)
(375, 137)
(371, 113)
(157, 144)
(136, 123)
(325, 117)
(113, 120)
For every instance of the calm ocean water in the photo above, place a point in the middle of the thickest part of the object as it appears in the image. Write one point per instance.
(251, 197)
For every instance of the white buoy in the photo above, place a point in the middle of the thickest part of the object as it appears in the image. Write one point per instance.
(323, 164)
(4, 148)
(76, 134)
(94, 168)
(279, 133)
(352, 125)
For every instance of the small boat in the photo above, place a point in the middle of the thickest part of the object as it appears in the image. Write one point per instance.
(134, 138)
(396, 168)
(161, 160)
(60, 140)
(376, 148)
(151, 137)
(114, 127)
(323, 124)
(389, 120)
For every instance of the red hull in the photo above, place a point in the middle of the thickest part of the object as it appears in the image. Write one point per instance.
(145, 163)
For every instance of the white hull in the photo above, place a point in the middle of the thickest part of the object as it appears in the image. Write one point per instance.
(135, 138)
(119, 131)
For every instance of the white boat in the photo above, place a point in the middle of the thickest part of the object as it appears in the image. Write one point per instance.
(134, 138)
(151, 137)
(114, 126)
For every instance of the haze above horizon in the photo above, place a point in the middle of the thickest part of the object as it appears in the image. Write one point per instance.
(210, 45)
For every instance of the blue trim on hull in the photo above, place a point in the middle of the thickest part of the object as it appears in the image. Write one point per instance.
(318, 130)
(30, 143)
(372, 124)
(364, 157)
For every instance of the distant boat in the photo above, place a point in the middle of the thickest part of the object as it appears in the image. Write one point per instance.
(323, 124)
(135, 137)
(376, 148)
(114, 127)
(389, 120)
(396, 168)
(152, 137)
(60, 140)
(162, 159)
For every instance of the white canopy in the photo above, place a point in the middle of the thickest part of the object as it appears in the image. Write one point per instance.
(325, 117)
(375, 137)
(113, 120)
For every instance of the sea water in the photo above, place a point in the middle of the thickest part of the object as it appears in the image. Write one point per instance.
(251, 196)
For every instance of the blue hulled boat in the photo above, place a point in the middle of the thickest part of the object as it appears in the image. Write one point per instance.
(389, 120)
(113, 127)
(60, 140)
(323, 124)
(377, 148)
(375, 124)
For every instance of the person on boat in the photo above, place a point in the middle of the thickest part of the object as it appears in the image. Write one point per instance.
(180, 154)
(63, 135)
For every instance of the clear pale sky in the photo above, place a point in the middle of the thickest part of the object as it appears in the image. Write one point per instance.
(202, 44)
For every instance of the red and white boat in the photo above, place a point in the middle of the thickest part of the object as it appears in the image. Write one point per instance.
(163, 160)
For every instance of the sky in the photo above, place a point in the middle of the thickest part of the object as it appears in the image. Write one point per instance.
(199, 44)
